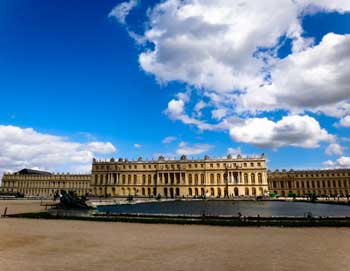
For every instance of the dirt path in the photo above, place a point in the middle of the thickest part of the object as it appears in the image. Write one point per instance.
(29, 244)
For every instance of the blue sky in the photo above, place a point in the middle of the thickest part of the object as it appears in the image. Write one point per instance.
(73, 72)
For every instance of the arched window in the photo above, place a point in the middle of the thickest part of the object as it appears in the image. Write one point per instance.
(252, 176)
(135, 179)
(149, 179)
(123, 179)
(196, 179)
(218, 178)
(247, 191)
(190, 178)
(259, 178)
(212, 192)
(143, 179)
(245, 178)
(211, 178)
(202, 178)
(190, 192)
(253, 191)
(129, 179)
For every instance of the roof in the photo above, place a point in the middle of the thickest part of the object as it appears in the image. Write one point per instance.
(27, 171)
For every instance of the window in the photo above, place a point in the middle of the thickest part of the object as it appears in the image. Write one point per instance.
(218, 178)
(245, 177)
(260, 178)
(190, 178)
(211, 178)
(252, 176)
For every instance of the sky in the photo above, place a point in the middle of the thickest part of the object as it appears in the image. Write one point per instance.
(82, 79)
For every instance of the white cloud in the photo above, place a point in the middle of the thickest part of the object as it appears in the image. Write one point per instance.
(334, 149)
(314, 79)
(25, 147)
(234, 151)
(137, 146)
(168, 139)
(299, 131)
(345, 121)
(100, 147)
(216, 47)
(218, 114)
(342, 162)
(176, 111)
(121, 11)
(186, 149)
(198, 108)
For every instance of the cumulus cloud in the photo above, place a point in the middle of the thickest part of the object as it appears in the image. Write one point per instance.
(342, 162)
(25, 147)
(321, 70)
(121, 11)
(168, 139)
(334, 149)
(299, 131)
(176, 111)
(186, 149)
(226, 50)
(345, 122)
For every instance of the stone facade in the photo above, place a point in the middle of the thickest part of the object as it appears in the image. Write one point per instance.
(334, 182)
(180, 178)
(45, 185)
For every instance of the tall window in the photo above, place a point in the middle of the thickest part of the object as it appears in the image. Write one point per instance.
(211, 178)
(260, 178)
(196, 178)
(252, 176)
(245, 177)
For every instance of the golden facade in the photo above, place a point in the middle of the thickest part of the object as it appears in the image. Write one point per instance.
(43, 184)
(180, 178)
(334, 182)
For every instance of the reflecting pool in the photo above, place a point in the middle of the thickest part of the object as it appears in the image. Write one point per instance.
(226, 207)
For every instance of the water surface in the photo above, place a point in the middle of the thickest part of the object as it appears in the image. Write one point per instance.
(246, 208)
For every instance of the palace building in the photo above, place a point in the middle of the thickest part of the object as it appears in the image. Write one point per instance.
(44, 184)
(333, 182)
(181, 178)
(189, 178)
